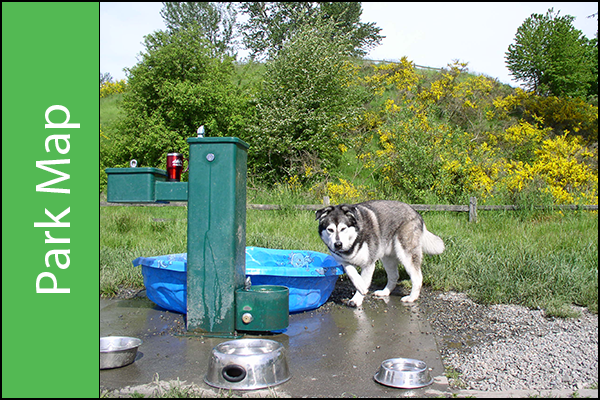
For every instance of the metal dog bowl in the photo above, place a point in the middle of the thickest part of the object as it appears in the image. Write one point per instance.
(118, 351)
(247, 364)
(404, 373)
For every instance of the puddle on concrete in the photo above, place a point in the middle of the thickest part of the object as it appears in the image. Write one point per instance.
(138, 316)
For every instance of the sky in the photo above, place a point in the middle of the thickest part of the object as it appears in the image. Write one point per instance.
(429, 34)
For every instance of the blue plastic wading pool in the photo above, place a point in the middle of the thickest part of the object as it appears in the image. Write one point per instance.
(309, 275)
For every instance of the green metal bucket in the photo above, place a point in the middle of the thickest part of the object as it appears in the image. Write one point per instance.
(262, 308)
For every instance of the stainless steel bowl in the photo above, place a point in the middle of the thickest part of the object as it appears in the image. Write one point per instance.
(405, 373)
(247, 364)
(118, 351)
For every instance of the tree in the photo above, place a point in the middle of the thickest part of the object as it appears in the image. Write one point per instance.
(551, 57)
(346, 16)
(593, 55)
(270, 25)
(309, 98)
(215, 20)
(105, 78)
(175, 87)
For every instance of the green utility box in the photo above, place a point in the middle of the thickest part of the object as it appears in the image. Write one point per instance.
(132, 185)
(216, 261)
(262, 308)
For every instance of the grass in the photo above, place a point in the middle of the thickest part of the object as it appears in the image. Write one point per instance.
(538, 259)
(110, 109)
(130, 232)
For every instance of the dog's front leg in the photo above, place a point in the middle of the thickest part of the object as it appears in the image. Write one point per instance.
(356, 279)
(359, 284)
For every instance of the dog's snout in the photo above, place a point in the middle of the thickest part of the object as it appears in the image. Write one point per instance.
(337, 245)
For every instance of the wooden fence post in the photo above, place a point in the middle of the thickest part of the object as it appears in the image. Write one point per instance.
(473, 209)
(326, 201)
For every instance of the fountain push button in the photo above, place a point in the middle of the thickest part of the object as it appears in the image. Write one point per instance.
(247, 318)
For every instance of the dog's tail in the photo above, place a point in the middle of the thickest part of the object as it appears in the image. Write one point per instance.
(430, 243)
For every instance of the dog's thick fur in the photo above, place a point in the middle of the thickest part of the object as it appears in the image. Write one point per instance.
(358, 235)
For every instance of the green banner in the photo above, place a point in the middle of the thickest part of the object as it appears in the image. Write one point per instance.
(50, 208)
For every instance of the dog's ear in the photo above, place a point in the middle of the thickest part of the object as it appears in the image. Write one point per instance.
(323, 212)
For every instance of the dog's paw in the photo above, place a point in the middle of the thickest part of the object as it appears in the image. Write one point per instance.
(349, 303)
(354, 305)
(355, 301)
(382, 293)
(409, 299)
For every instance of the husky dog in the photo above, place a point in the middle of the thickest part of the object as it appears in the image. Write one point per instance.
(357, 235)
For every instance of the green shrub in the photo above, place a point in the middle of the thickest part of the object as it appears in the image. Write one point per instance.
(177, 86)
(309, 98)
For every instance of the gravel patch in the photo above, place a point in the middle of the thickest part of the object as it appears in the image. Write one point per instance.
(507, 347)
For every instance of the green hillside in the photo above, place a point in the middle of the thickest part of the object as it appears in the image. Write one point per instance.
(424, 137)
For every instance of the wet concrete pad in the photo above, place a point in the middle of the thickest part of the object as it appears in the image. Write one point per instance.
(333, 351)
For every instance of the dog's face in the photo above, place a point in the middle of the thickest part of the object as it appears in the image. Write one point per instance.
(338, 227)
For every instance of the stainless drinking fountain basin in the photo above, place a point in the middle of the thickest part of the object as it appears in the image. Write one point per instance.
(247, 364)
(405, 373)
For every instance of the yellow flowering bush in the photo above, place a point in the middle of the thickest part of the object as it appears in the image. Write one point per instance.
(372, 120)
(568, 179)
(344, 192)
(451, 138)
(402, 75)
(518, 174)
(476, 167)
(545, 155)
(557, 113)
(109, 88)
(520, 141)
(464, 100)
(294, 182)
(352, 77)
(443, 137)
(417, 153)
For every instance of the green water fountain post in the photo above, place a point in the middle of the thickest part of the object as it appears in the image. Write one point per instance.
(216, 232)
(219, 301)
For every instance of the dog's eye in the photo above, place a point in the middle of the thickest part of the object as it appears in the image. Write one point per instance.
(342, 229)
(330, 230)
